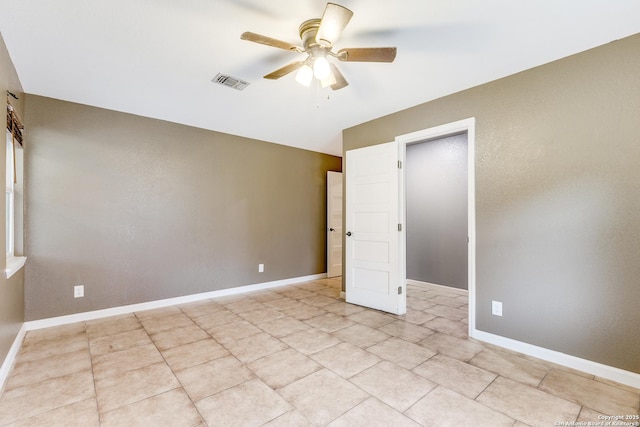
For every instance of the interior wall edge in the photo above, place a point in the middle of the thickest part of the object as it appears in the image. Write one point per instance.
(10, 359)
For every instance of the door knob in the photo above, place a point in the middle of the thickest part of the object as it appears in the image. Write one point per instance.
(348, 233)
(332, 229)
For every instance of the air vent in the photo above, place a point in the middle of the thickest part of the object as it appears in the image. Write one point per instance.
(232, 82)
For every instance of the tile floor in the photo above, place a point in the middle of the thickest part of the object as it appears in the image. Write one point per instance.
(294, 356)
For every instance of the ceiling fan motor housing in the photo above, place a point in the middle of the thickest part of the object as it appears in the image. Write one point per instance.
(308, 30)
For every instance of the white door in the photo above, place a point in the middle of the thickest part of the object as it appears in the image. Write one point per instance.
(334, 224)
(372, 231)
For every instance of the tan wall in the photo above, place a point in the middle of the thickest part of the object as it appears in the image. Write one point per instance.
(138, 209)
(557, 202)
(12, 290)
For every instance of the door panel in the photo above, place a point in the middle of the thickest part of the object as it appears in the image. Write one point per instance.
(375, 252)
(372, 238)
(369, 222)
(371, 280)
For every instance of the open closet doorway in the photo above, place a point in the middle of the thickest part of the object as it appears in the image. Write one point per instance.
(438, 210)
(436, 202)
(334, 224)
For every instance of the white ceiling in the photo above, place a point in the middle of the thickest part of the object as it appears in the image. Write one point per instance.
(156, 58)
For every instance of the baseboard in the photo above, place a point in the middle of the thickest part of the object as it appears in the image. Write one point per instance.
(598, 369)
(443, 287)
(10, 359)
(126, 309)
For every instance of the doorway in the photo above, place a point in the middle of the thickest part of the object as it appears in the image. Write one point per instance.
(375, 202)
(467, 127)
(436, 205)
(334, 224)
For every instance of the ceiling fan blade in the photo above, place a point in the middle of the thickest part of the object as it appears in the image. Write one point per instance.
(334, 20)
(259, 38)
(340, 80)
(281, 72)
(367, 54)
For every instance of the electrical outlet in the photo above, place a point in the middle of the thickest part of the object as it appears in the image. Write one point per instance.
(78, 291)
(496, 308)
(260, 268)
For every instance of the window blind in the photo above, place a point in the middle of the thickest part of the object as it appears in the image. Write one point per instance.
(14, 125)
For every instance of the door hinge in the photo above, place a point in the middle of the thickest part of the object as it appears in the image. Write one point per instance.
(399, 164)
(399, 227)
(399, 290)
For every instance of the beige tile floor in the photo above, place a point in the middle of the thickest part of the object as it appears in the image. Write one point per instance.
(294, 356)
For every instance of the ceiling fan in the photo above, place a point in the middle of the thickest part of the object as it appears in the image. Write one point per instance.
(318, 37)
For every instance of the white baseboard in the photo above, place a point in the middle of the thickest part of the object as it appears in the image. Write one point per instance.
(126, 309)
(598, 369)
(443, 287)
(10, 359)
(604, 371)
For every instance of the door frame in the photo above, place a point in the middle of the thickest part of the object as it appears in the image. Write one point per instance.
(460, 126)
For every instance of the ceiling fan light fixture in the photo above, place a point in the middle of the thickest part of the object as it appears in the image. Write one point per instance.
(321, 69)
(329, 81)
(304, 75)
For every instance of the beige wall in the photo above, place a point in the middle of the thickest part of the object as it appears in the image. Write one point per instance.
(557, 202)
(12, 290)
(138, 209)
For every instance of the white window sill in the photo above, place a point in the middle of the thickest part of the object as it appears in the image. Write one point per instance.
(14, 264)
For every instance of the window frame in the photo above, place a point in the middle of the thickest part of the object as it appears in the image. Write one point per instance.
(10, 195)
(13, 262)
